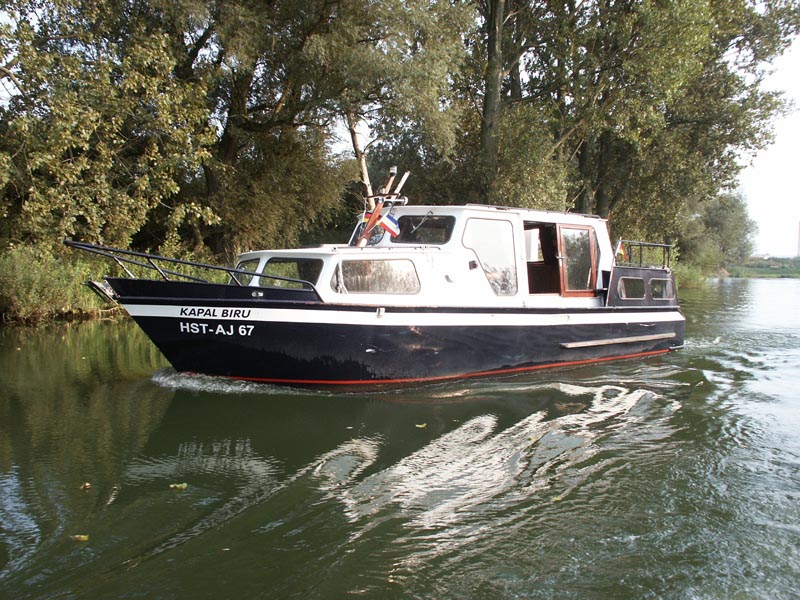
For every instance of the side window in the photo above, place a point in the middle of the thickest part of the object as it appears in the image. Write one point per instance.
(662, 289)
(578, 260)
(396, 276)
(306, 269)
(246, 265)
(493, 243)
(631, 288)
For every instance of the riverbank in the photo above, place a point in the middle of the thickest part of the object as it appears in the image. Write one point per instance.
(772, 268)
(39, 284)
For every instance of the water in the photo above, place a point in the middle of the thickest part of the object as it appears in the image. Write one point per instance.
(674, 477)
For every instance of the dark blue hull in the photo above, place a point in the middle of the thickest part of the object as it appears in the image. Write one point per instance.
(325, 354)
(301, 341)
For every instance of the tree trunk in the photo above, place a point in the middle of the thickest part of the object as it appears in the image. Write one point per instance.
(493, 80)
(361, 157)
(228, 145)
(585, 201)
(221, 238)
(604, 166)
(237, 112)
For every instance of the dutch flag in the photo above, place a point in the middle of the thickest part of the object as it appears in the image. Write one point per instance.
(390, 224)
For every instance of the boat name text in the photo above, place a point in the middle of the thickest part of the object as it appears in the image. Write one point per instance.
(215, 313)
(218, 329)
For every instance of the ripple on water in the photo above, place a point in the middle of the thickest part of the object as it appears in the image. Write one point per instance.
(194, 382)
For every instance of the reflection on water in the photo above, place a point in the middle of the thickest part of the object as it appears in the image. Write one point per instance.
(672, 477)
(474, 469)
(58, 429)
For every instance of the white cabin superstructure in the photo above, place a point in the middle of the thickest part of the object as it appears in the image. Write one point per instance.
(471, 255)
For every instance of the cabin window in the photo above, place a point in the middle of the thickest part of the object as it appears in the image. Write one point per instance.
(246, 265)
(305, 269)
(395, 276)
(631, 288)
(662, 289)
(577, 253)
(425, 229)
(493, 243)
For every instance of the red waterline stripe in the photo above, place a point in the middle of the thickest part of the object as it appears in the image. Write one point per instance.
(571, 363)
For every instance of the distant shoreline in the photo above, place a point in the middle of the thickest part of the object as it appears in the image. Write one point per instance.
(771, 267)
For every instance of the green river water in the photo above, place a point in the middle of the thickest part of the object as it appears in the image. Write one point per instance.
(672, 477)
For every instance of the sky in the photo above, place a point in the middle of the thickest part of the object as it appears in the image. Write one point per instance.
(771, 184)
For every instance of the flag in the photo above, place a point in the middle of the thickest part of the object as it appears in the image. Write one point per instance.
(390, 224)
(366, 217)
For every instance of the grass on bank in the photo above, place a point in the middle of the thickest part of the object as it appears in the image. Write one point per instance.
(688, 276)
(38, 284)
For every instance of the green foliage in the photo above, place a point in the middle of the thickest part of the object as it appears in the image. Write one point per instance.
(391, 64)
(532, 178)
(726, 219)
(38, 285)
(146, 123)
(101, 130)
(291, 188)
(689, 276)
(637, 111)
(719, 236)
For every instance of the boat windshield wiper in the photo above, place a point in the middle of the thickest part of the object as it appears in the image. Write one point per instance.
(425, 218)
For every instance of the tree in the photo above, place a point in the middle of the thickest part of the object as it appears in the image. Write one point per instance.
(209, 125)
(206, 122)
(722, 234)
(96, 130)
(633, 110)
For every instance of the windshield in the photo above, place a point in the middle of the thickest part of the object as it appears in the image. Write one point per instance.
(425, 229)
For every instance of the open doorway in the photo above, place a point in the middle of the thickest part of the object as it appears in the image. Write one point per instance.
(541, 251)
(561, 259)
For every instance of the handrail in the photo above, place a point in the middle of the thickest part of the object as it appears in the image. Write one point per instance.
(121, 257)
(628, 248)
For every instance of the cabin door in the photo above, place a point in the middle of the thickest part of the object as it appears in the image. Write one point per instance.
(577, 253)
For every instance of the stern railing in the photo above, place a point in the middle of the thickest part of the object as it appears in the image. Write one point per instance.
(630, 253)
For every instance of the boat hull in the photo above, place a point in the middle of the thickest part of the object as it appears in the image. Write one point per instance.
(298, 341)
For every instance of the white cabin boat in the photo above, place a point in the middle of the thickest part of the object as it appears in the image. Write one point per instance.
(419, 294)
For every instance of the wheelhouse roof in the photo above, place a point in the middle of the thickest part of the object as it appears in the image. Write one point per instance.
(457, 211)
(528, 214)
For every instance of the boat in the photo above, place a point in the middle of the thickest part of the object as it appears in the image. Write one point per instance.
(420, 293)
